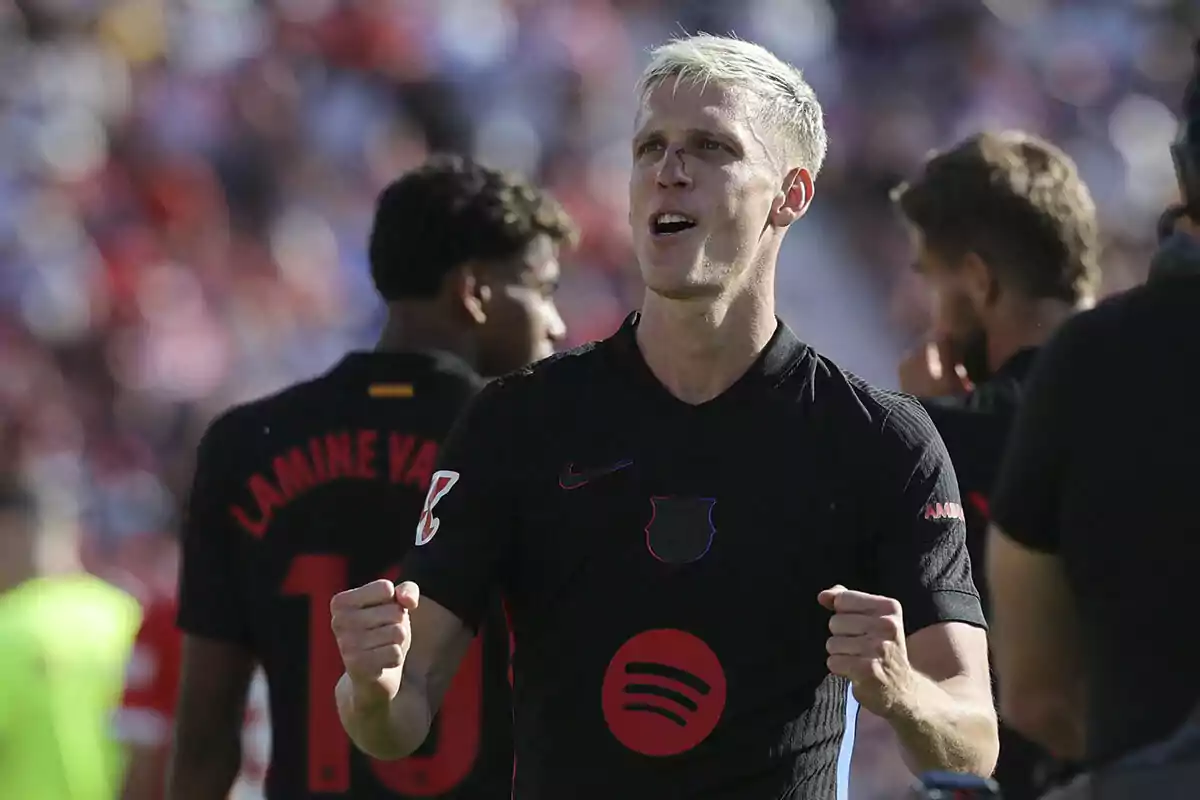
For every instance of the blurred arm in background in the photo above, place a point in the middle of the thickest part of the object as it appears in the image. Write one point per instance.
(212, 708)
(217, 661)
(145, 718)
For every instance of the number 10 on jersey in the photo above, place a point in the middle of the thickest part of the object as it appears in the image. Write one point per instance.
(318, 578)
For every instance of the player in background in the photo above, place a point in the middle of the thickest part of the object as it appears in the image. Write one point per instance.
(705, 531)
(305, 493)
(145, 719)
(1006, 235)
(64, 639)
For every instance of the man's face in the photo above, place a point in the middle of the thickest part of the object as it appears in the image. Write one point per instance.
(522, 322)
(958, 317)
(695, 155)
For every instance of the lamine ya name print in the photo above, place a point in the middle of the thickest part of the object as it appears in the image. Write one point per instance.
(343, 455)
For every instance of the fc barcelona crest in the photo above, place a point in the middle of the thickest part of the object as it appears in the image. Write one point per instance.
(680, 529)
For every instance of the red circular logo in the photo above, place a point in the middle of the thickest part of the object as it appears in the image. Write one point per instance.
(664, 692)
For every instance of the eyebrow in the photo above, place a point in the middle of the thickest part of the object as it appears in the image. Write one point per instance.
(728, 137)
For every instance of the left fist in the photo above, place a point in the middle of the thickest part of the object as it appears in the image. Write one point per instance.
(866, 645)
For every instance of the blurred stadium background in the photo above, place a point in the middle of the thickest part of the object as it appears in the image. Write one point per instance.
(186, 185)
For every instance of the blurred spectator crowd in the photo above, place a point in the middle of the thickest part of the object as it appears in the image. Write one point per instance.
(186, 185)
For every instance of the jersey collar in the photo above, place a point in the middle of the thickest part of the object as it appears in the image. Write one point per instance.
(379, 365)
(783, 353)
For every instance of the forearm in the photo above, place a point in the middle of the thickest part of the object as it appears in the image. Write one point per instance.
(1052, 718)
(385, 730)
(203, 770)
(145, 773)
(938, 731)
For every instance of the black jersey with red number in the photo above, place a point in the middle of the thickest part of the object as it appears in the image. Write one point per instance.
(301, 495)
(661, 563)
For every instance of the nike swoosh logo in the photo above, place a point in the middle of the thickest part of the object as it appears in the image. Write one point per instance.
(572, 478)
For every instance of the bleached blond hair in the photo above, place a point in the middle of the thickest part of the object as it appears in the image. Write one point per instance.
(786, 101)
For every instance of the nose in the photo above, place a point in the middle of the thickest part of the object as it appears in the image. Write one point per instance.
(672, 170)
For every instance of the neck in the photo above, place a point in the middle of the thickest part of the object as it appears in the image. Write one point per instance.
(41, 559)
(421, 325)
(699, 348)
(1029, 326)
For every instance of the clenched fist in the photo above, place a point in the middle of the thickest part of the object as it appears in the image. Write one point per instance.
(373, 633)
(867, 646)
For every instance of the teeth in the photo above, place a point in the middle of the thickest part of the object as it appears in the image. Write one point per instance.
(666, 219)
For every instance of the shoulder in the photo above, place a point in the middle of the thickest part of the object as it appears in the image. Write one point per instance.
(527, 391)
(868, 413)
(232, 426)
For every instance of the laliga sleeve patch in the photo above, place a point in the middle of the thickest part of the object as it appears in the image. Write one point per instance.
(442, 482)
(663, 692)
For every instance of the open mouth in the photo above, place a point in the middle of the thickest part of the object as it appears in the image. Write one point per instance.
(670, 223)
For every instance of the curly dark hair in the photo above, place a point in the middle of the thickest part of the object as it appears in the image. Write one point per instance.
(452, 210)
(1017, 202)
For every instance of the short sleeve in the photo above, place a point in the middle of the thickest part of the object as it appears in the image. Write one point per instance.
(1037, 456)
(921, 556)
(210, 601)
(463, 534)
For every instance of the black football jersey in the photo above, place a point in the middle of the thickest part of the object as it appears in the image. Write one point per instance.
(975, 429)
(312, 491)
(1097, 475)
(661, 563)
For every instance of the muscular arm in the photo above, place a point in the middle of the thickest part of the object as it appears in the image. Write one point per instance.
(942, 711)
(394, 729)
(212, 706)
(946, 720)
(1035, 639)
(144, 774)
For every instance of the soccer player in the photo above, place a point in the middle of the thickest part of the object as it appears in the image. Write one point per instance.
(297, 496)
(146, 715)
(1006, 235)
(1095, 544)
(704, 531)
(64, 639)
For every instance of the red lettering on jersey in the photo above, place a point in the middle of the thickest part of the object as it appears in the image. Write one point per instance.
(339, 454)
(268, 500)
(980, 501)
(293, 474)
(400, 448)
(331, 457)
(316, 449)
(422, 466)
(365, 462)
(944, 511)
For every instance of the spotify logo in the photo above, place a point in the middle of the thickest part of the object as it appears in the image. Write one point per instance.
(663, 693)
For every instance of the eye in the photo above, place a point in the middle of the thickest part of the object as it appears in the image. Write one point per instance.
(648, 147)
(711, 144)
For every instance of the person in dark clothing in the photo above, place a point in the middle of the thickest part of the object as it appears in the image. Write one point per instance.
(1005, 233)
(705, 532)
(1095, 544)
(297, 496)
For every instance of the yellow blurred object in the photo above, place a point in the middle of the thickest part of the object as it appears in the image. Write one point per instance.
(64, 642)
(391, 390)
(135, 29)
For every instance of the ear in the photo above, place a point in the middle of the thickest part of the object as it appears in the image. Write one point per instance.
(469, 294)
(979, 280)
(793, 199)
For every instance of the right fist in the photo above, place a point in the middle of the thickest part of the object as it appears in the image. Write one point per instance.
(373, 631)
